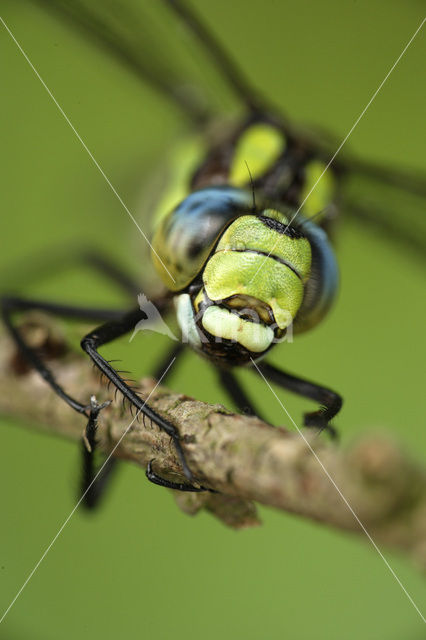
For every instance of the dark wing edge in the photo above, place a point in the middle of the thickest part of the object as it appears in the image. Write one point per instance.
(123, 33)
(388, 200)
(147, 63)
(222, 60)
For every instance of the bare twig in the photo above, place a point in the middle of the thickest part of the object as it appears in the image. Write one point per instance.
(243, 458)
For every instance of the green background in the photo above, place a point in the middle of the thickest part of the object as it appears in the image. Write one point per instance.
(139, 567)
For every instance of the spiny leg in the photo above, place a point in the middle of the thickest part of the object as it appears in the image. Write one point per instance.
(235, 391)
(162, 372)
(237, 394)
(11, 305)
(331, 402)
(177, 486)
(105, 334)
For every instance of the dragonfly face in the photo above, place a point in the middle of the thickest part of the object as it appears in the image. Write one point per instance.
(251, 287)
(242, 269)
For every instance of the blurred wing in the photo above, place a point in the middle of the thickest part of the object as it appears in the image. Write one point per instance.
(136, 37)
(145, 37)
(391, 200)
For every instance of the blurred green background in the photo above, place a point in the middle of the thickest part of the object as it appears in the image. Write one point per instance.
(139, 567)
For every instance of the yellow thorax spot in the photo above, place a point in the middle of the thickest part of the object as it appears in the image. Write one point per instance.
(183, 161)
(258, 149)
(323, 188)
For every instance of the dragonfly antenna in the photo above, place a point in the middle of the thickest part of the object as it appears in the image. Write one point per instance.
(252, 186)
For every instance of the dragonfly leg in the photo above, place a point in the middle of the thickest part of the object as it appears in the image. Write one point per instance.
(59, 260)
(112, 271)
(107, 333)
(235, 391)
(161, 370)
(177, 486)
(330, 401)
(12, 305)
(94, 481)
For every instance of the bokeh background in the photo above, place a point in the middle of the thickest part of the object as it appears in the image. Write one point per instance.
(139, 567)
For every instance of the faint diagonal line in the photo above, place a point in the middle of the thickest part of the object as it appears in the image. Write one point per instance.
(85, 147)
(64, 524)
(317, 458)
(361, 115)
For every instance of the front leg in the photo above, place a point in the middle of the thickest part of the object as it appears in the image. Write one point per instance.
(108, 332)
(92, 484)
(11, 305)
(231, 385)
(177, 486)
(330, 401)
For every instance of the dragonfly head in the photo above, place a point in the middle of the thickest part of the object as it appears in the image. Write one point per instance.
(249, 290)
(240, 272)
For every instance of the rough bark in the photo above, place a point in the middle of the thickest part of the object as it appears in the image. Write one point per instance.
(243, 458)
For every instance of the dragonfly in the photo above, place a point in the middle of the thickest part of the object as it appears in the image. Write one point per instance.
(243, 236)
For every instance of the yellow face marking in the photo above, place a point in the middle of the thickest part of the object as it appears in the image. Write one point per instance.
(250, 233)
(233, 273)
(258, 149)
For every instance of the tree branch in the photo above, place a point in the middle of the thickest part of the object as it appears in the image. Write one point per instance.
(243, 458)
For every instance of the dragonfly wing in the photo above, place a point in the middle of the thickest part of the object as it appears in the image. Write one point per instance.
(134, 36)
(144, 38)
(390, 200)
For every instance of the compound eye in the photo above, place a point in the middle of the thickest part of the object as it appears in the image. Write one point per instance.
(186, 237)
